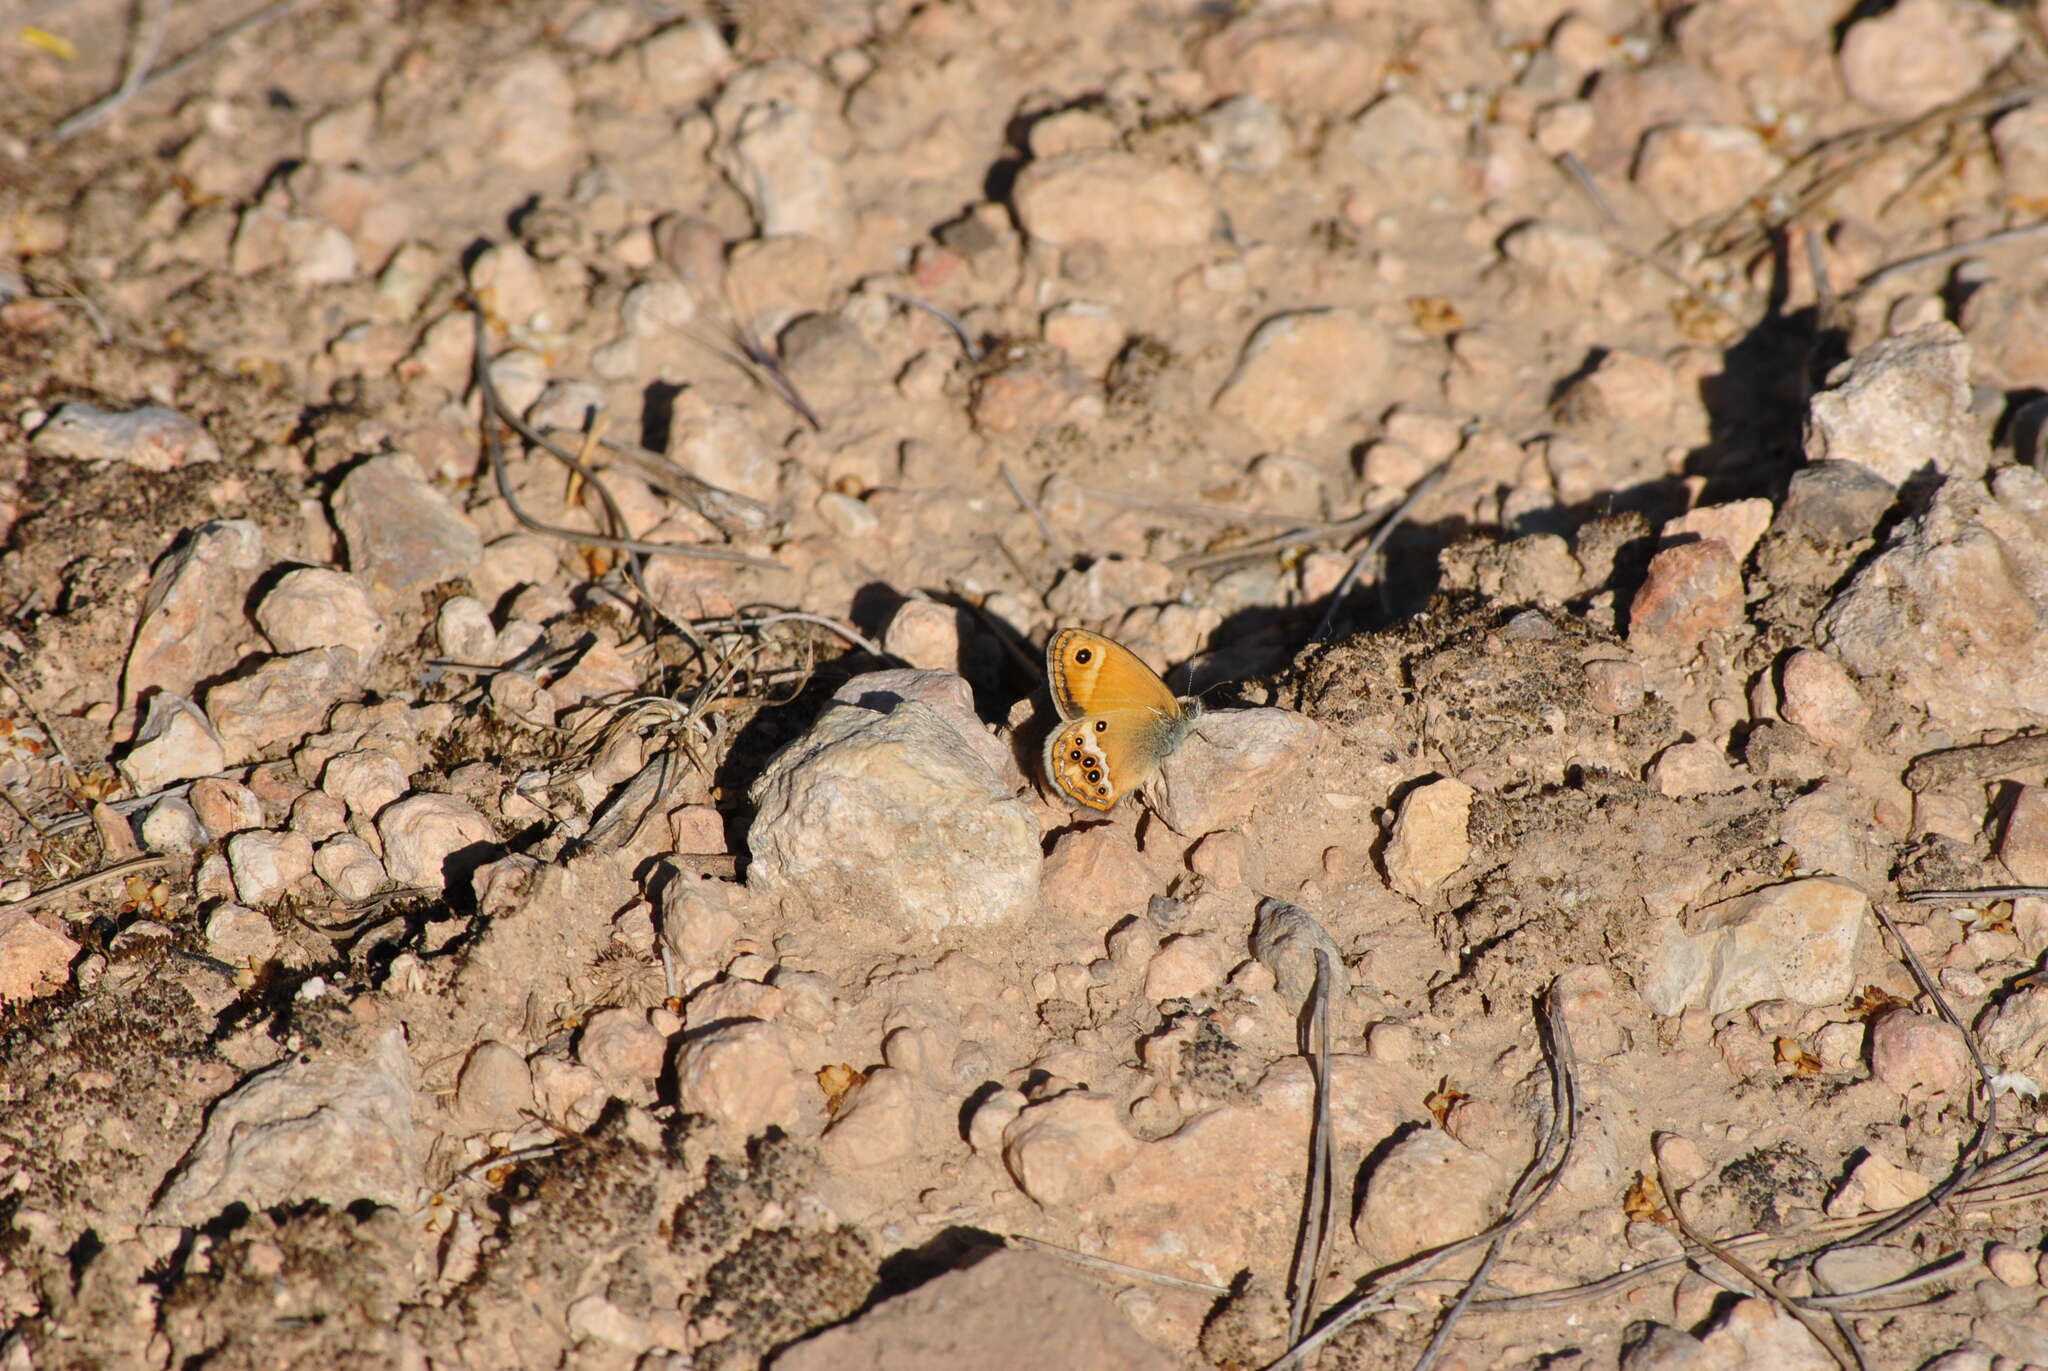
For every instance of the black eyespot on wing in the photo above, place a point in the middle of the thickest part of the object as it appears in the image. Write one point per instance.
(1085, 655)
(1102, 725)
(1075, 755)
(1094, 776)
(1102, 790)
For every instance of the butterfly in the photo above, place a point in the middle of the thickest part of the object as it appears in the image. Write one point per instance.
(1119, 720)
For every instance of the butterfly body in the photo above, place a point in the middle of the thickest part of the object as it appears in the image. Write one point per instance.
(1119, 721)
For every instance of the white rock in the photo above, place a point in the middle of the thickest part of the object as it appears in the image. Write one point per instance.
(318, 607)
(365, 779)
(335, 1128)
(1185, 966)
(240, 936)
(739, 1074)
(171, 826)
(894, 817)
(267, 865)
(1796, 941)
(465, 632)
(430, 838)
(351, 870)
(176, 743)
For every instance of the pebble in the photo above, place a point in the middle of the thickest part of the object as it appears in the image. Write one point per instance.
(35, 958)
(319, 607)
(619, 1044)
(1615, 687)
(778, 159)
(1430, 842)
(1626, 390)
(1289, 943)
(266, 865)
(1427, 1190)
(1219, 860)
(325, 1124)
(1796, 941)
(1945, 614)
(225, 806)
(1120, 200)
(1835, 502)
(1303, 374)
(1096, 873)
(192, 614)
(365, 780)
(350, 868)
(495, 1088)
(1738, 523)
(2012, 1032)
(877, 1125)
(171, 826)
(1698, 768)
(1922, 53)
(873, 814)
(566, 1092)
(1841, 1045)
(1566, 262)
(2020, 139)
(1244, 135)
(683, 63)
(1294, 58)
(151, 438)
(1875, 1185)
(1815, 693)
(1918, 1055)
(2023, 840)
(175, 743)
(1068, 1149)
(402, 534)
(925, 634)
(739, 1074)
(1090, 334)
(1185, 966)
(525, 120)
(240, 936)
(318, 815)
(1901, 409)
(1402, 151)
(429, 839)
(1011, 1308)
(281, 699)
(1690, 590)
(1694, 171)
(1231, 760)
(2013, 1266)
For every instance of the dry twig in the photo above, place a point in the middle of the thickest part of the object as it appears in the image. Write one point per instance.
(139, 78)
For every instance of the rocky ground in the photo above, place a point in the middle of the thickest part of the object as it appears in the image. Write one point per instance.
(548, 867)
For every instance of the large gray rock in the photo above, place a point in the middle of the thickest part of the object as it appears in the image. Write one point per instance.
(894, 817)
(1954, 611)
(336, 1129)
(1796, 941)
(402, 534)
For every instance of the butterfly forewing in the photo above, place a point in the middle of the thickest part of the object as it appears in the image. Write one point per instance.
(1091, 674)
